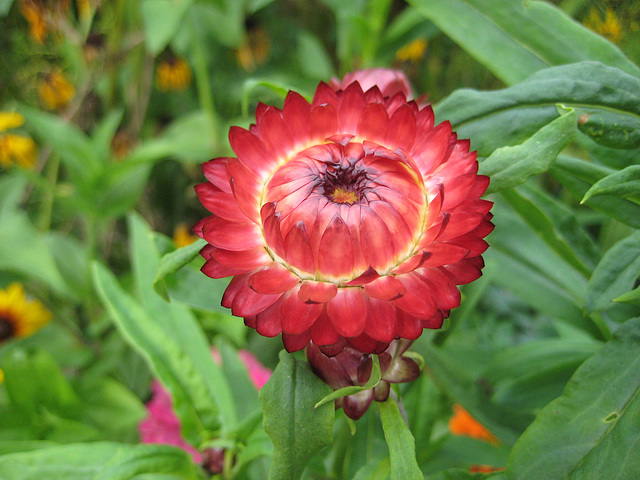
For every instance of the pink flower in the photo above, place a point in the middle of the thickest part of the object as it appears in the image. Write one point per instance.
(388, 81)
(163, 426)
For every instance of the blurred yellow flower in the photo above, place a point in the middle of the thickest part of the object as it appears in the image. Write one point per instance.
(412, 52)
(1, 376)
(173, 75)
(20, 317)
(609, 26)
(34, 13)
(462, 423)
(255, 49)
(182, 236)
(55, 90)
(10, 120)
(15, 149)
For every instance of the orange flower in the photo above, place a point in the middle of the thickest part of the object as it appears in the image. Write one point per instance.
(462, 423)
(182, 236)
(484, 469)
(173, 75)
(55, 91)
(35, 13)
(255, 50)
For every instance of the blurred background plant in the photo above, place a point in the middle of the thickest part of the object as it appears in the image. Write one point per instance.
(107, 108)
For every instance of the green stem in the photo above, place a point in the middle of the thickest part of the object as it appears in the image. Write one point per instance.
(48, 195)
(201, 74)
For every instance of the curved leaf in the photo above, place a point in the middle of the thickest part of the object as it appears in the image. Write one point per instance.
(593, 427)
(506, 117)
(515, 38)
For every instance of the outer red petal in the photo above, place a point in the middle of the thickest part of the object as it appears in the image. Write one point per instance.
(317, 292)
(348, 312)
(297, 316)
(274, 278)
(222, 233)
(385, 288)
(381, 321)
(323, 332)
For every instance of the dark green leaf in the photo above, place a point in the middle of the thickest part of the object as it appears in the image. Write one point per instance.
(98, 461)
(611, 129)
(544, 228)
(507, 117)
(592, 428)
(578, 176)
(625, 183)
(511, 166)
(402, 449)
(514, 38)
(615, 274)
(298, 431)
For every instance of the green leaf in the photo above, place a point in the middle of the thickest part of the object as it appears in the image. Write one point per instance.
(511, 166)
(172, 262)
(23, 249)
(374, 379)
(592, 427)
(161, 20)
(98, 461)
(632, 297)
(402, 450)
(5, 6)
(625, 183)
(615, 274)
(514, 38)
(456, 474)
(189, 138)
(610, 129)
(578, 176)
(298, 431)
(192, 401)
(103, 133)
(542, 225)
(177, 320)
(494, 119)
(239, 380)
(35, 383)
(67, 140)
(313, 58)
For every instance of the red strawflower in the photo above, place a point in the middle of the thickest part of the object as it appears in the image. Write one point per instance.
(349, 220)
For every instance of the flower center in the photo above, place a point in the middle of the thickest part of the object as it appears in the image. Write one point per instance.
(7, 329)
(344, 183)
(340, 195)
